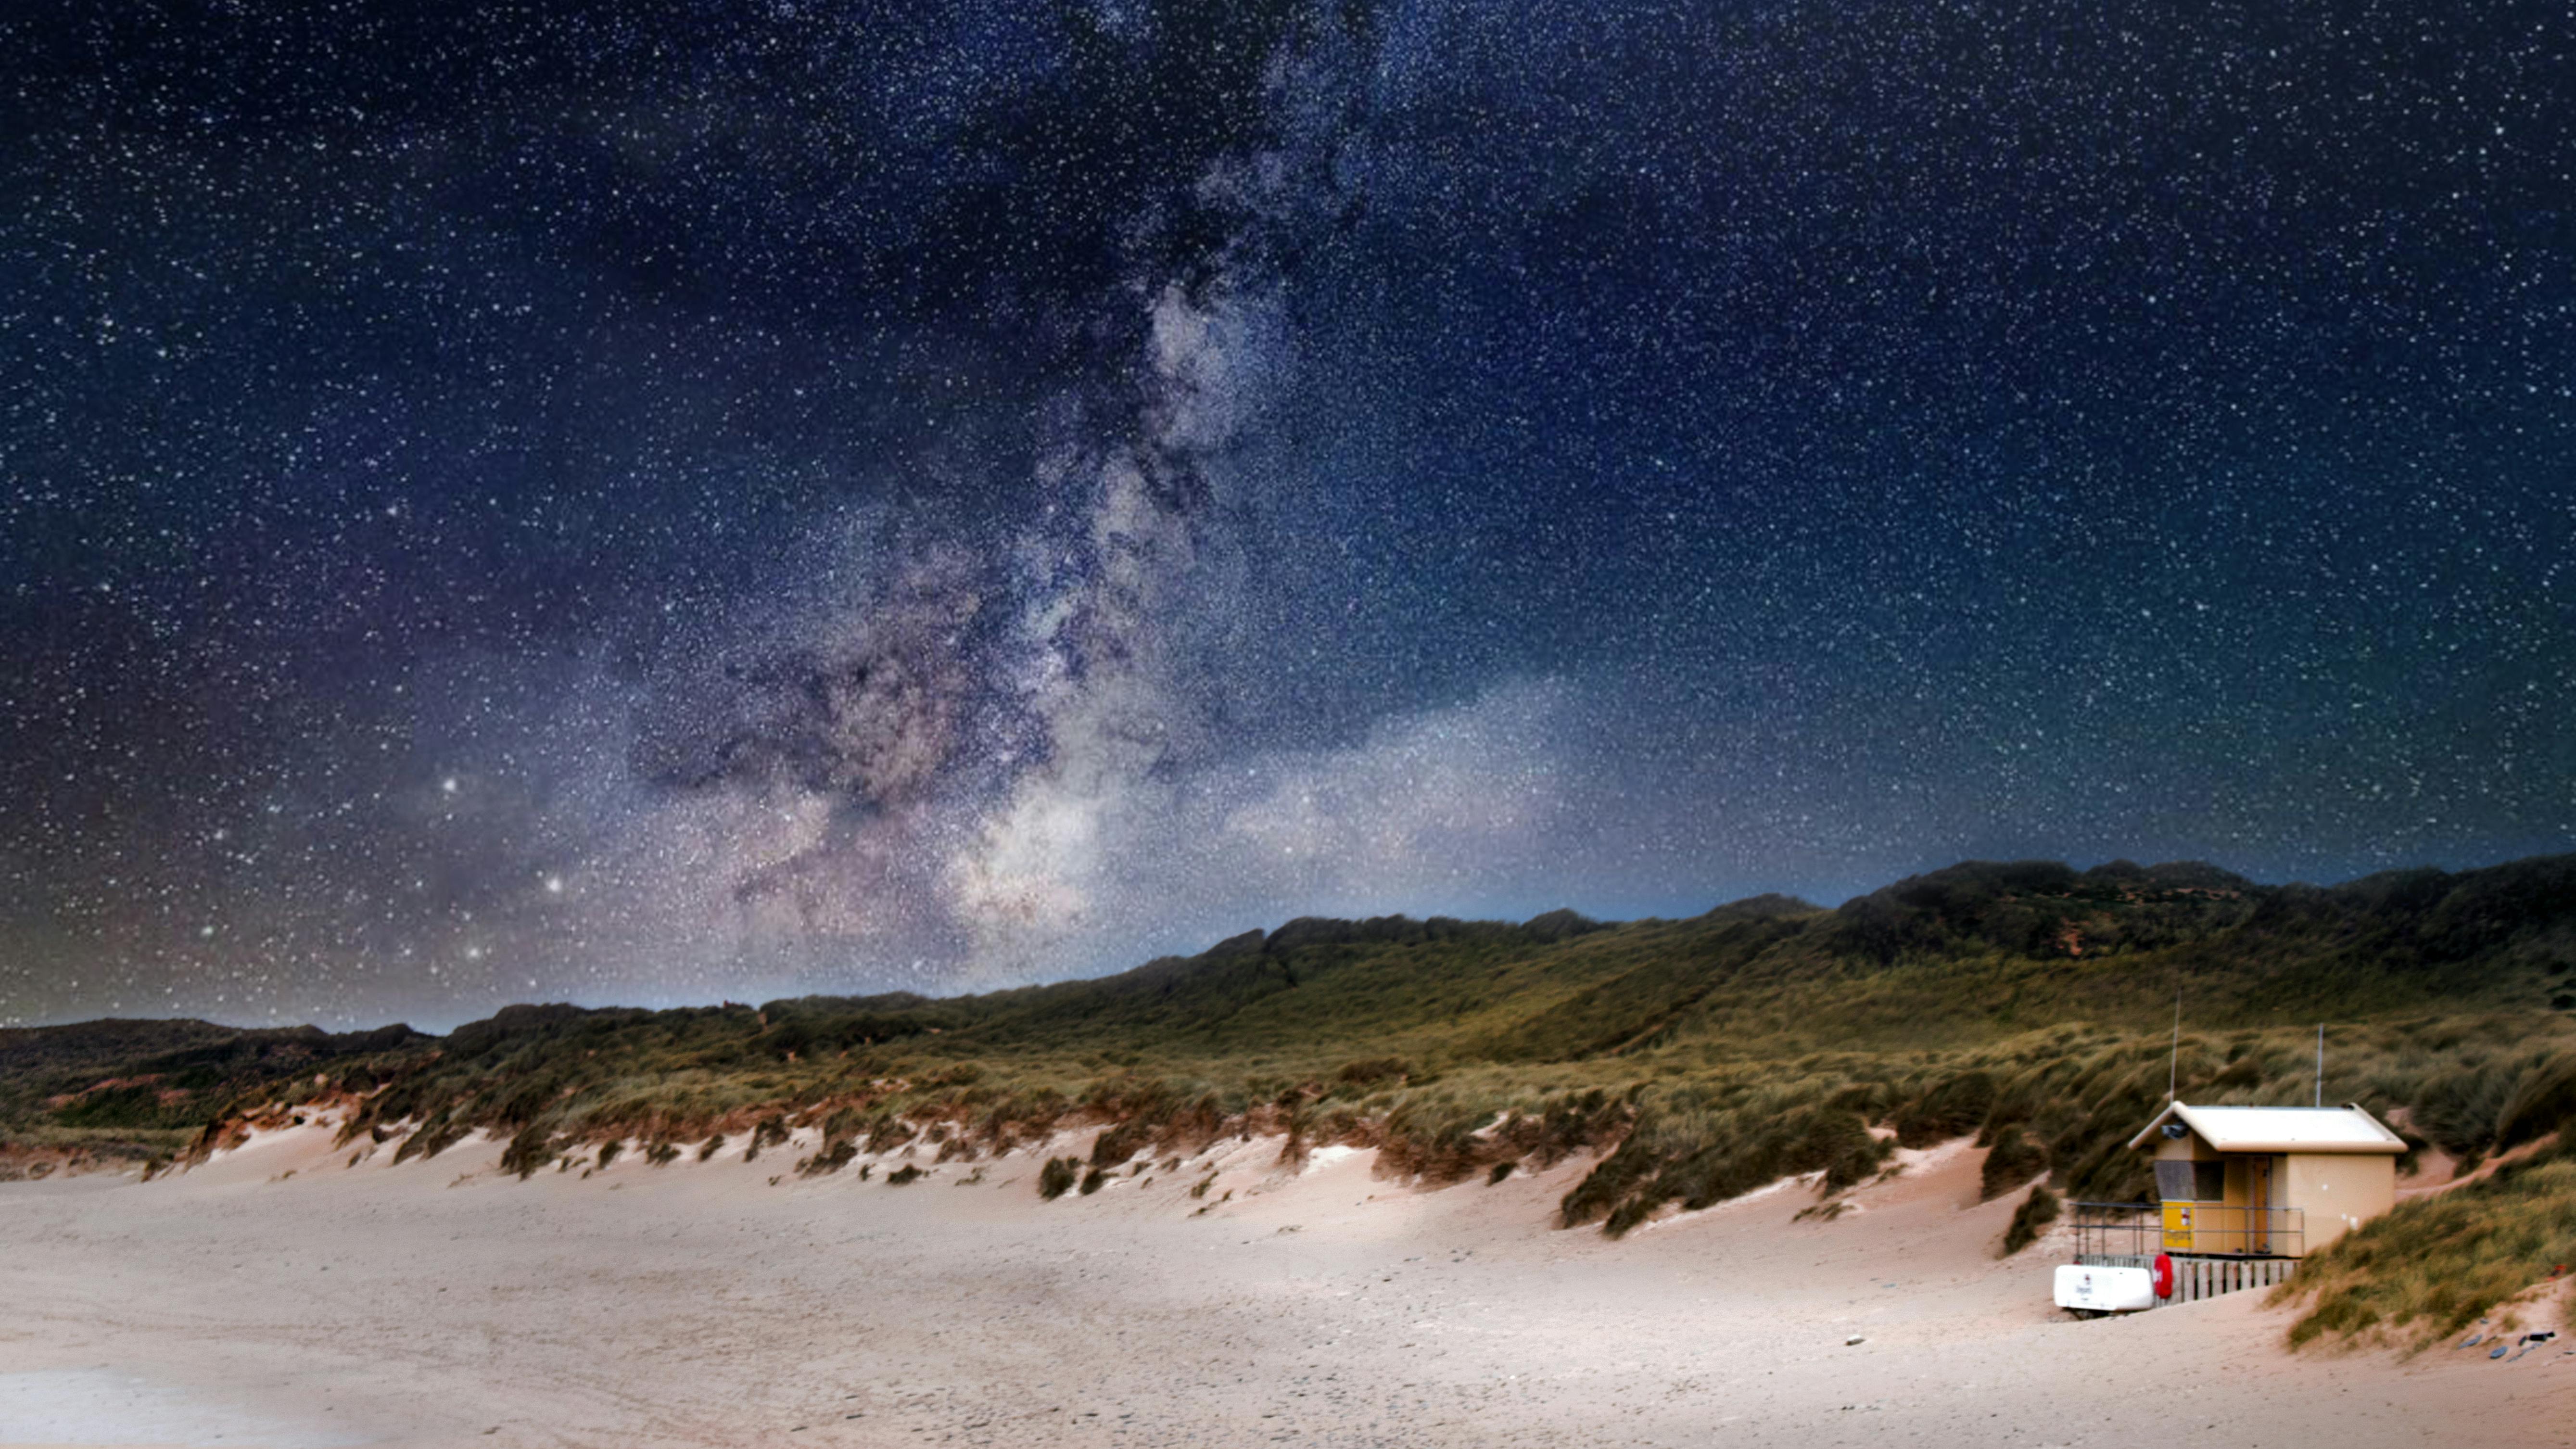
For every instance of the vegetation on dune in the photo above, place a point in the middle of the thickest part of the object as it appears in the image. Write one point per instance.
(839, 1152)
(1058, 1177)
(2024, 1004)
(115, 1093)
(2031, 1219)
(532, 1149)
(2011, 1160)
(2438, 1264)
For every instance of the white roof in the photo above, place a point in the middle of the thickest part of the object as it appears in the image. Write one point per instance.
(2279, 1129)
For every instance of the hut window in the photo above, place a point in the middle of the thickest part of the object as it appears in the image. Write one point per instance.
(2181, 1181)
(2173, 1180)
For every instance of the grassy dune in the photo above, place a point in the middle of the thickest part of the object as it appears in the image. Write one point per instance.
(2025, 1004)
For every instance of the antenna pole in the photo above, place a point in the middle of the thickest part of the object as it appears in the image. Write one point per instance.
(2321, 1064)
(2173, 1069)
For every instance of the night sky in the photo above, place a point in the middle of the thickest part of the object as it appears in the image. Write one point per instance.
(656, 502)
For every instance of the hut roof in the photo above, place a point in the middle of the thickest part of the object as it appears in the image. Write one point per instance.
(2279, 1129)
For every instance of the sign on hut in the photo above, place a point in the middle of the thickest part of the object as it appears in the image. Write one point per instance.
(2244, 1193)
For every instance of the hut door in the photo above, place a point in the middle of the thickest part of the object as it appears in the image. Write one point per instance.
(2258, 1198)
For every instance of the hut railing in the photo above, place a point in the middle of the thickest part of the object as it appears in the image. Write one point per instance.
(2109, 1230)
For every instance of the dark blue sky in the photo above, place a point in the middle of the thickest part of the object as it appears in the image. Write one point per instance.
(653, 502)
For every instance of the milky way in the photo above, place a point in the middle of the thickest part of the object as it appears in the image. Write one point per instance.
(650, 502)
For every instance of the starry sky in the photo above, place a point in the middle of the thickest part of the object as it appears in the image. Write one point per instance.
(658, 501)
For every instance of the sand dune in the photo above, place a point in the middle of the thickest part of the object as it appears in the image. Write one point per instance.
(277, 1296)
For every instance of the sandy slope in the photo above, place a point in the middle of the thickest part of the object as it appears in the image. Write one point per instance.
(438, 1303)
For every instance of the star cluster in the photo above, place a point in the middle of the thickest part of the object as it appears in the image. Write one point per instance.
(646, 502)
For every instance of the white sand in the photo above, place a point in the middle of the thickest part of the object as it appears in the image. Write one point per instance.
(699, 1305)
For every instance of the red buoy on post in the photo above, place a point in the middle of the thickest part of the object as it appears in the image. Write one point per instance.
(2164, 1275)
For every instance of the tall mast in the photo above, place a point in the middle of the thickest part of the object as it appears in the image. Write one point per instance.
(2173, 1069)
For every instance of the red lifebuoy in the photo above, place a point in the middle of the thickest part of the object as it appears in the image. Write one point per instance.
(2164, 1275)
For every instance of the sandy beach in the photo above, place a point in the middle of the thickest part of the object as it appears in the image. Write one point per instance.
(280, 1297)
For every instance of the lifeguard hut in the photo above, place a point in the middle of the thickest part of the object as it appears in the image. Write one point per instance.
(2244, 1193)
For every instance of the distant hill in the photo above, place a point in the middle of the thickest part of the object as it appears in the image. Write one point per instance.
(1941, 960)
(1934, 960)
(124, 1090)
(1948, 956)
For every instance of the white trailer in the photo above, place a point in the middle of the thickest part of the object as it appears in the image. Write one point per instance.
(2089, 1288)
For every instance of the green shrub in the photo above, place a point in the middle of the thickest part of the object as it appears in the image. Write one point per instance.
(770, 1132)
(832, 1159)
(1701, 1145)
(136, 1105)
(1121, 1142)
(2459, 1109)
(2031, 1219)
(2012, 1161)
(1955, 1107)
(1058, 1177)
(431, 1139)
(907, 1173)
(1371, 1071)
(2543, 1099)
(1094, 1180)
(533, 1148)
